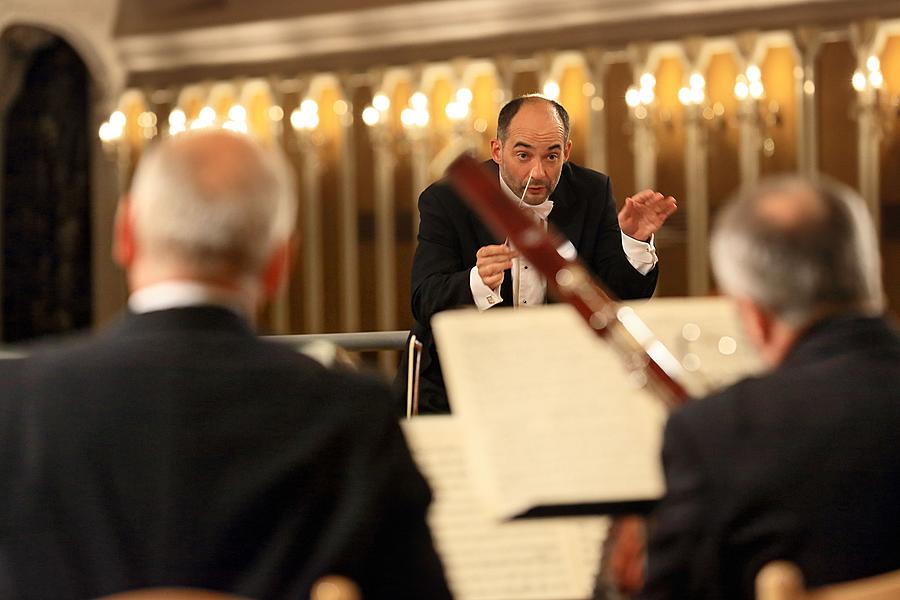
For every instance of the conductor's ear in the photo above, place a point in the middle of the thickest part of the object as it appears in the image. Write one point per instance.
(124, 246)
(496, 150)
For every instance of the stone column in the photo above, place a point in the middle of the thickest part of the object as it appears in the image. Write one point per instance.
(808, 42)
(596, 151)
(863, 36)
(644, 140)
(697, 202)
(349, 264)
(312, 241)
(750, 134)
(385, 236)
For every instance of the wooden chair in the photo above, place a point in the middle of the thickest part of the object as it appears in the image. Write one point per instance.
(173, 593)
(413, 366)
(783, 581)
(335, 587)
(331, 587)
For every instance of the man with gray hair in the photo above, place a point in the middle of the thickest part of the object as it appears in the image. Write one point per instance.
(175, 448)
(801, 463)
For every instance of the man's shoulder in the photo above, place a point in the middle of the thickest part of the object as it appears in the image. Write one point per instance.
(576, 173)
(717, 413)
(442, 190)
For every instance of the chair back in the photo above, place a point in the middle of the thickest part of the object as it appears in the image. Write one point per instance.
(172, 593)
(335, 587)
(413, 366)
(783, 580)
(330, 587)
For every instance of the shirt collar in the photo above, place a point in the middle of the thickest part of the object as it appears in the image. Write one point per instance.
(180, 294)
(542, 210)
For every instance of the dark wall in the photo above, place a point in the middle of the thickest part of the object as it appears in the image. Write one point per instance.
(46, 199)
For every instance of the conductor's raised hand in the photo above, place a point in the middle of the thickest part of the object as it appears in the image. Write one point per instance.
(644, 213)
(491, 261)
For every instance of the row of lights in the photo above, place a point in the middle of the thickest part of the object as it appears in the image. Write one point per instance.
(113, 129)
(748, 85)
(872, 78)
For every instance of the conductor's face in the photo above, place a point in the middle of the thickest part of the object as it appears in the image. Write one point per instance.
(535, 146)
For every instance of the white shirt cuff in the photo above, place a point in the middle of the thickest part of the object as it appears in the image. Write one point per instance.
(484, 296)
(641, 255)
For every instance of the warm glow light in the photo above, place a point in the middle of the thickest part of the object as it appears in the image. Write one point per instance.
(381, 102)
(309, 106)
(648, 81)
(109, 132)
(408, 117)
(697, 81)
(632, 97)
(177, 119)
(480, 125)
(647, 96)
(698, 96)
(551, 90)
(208, 114)
(236, 126)
(757, 90)
(684, 96)
(873, 64)
(753, 73)
(237, 113)
(421, 118)
(370, 116)
(340, 107)
(597, 104)
(464, 95)
(588, 89)
(419, 101)
(276, 113)
(876, 78)
(298, 119)
(859, 81)
(741, 90)
(117, 119)
(147, 120)
(457, 111)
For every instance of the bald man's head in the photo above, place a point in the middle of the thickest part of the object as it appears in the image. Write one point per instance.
(214, 203)
(799, 249)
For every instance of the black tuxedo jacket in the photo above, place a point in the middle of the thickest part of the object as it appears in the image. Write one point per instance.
(802, 464)
(450, 234)
(178, 449)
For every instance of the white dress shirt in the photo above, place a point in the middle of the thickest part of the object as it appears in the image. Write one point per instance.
(181, 294)
(529, 286)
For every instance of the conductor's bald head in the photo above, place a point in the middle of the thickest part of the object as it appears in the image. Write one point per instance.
(213, 206)
(800, 250)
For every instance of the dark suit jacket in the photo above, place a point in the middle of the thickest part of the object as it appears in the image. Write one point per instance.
(801, 464)
(450, 234)
(177, 448)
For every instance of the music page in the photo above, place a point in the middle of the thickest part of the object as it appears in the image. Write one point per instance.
(551, 415)
(486, 559)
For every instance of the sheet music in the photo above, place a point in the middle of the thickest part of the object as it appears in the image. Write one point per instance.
(705, 335)
(554, 418)
(540, 559)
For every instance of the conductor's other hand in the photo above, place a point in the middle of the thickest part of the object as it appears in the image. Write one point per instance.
(491, 261)
(644, 213)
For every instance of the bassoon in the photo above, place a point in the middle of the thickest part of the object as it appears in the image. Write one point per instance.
(649, 361)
